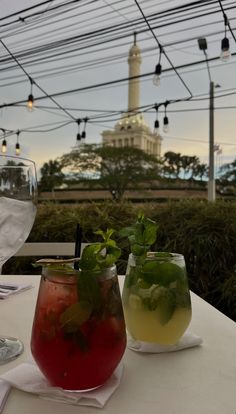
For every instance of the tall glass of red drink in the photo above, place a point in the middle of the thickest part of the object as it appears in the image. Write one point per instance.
(78, 334)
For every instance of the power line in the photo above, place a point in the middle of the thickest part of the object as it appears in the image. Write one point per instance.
(35, 83)
(117, 81)
(24, 10)
(108, 30)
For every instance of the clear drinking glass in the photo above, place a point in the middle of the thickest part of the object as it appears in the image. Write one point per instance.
(78, 334)
(18, 198)
(156, 298)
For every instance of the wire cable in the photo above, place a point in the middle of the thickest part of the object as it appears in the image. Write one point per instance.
(35, 83)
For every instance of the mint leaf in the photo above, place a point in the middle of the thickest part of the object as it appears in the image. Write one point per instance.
(166, 306)
(75, 315)
(88, 289)
(112, 253)
(100, 255)
(162, 273)
(141, 235)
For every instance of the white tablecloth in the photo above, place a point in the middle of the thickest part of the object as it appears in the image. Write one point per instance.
(201, 380)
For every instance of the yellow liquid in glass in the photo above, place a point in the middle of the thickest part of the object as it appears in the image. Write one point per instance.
(144, 325)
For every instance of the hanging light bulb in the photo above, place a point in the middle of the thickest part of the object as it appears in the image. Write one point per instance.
(30, 102)
(156, 77)
(165, 119)
(4, 146)
(165, 124)
(78, 136)
(17, 151)
(17, 147)
(225, 51)
(158, 69)
(156, 123)
(83, 135)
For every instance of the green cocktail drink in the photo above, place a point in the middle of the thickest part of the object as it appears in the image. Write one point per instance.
(156, 298)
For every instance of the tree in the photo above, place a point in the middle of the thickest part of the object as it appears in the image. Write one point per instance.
(200, 171)
(51, 175)
(228, 173)
(14, 176)
(186, 166)
(172, 164)
(115, 168)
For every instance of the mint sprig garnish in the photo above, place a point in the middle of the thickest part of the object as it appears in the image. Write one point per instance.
(141, 235)
(100, 255)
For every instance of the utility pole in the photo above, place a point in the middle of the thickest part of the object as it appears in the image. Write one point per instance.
(211, 180)
(211, 194)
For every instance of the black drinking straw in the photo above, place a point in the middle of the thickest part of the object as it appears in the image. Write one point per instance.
(78, 240)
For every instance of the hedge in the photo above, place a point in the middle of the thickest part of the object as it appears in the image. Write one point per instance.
(205, 233)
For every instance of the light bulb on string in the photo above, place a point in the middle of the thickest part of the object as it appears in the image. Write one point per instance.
(225, 50)
(156, 126)
(4, 142)
(156, 122)
(17, 147)
(165, 119)
(83, 135)
(78, 136)
(158, 70)
(30, 102)
(165, 124)
(4, 146)
(17, 151)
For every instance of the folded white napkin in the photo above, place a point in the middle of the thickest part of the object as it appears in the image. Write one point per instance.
(4, 391)
(27, 377)
(188, 340)
(9, 289)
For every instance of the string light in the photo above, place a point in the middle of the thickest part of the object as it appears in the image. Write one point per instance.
(78, 137)
(84, 132)
(17, 148)
(4, 142)
(30, 102)
(165, 119)
(158, 69)
(225, 51)
(156, 123)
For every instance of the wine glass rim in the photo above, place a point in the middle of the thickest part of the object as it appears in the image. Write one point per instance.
(16, 158)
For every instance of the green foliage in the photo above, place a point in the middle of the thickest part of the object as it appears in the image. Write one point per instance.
(115, 168)
(51, 175)
(176, 164)
(228, 172)
(205, 233)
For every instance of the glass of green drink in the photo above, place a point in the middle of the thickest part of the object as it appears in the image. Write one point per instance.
(156, 298)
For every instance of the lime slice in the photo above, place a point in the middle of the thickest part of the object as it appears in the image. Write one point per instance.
(135, 302)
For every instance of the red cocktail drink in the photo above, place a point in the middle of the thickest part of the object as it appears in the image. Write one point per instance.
(78, 334)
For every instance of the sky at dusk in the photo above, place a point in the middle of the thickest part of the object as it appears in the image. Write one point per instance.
(64, 48)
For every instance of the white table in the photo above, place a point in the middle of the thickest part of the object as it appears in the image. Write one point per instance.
(201, 380)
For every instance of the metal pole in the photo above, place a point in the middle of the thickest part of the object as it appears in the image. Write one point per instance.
(211, 181)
